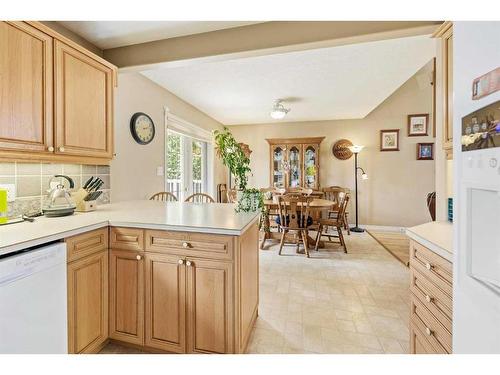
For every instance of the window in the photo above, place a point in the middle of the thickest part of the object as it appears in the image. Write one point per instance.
(189, 166)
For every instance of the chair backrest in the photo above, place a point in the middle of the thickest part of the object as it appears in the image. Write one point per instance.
(164, 196)
(200, 198)
(231, 196)
(293, 210)
(332, 193)
(343, 202)
(300, 190)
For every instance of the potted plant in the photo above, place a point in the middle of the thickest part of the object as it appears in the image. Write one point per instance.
(233, 157)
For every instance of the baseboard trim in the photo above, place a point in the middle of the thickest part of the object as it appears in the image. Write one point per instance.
(382, 228)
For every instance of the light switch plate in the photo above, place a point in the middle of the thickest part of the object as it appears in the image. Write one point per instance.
(159, 171)
(11, 191)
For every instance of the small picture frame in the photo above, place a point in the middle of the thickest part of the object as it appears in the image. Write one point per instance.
(418, 125)
(425, 151)
(389, 140)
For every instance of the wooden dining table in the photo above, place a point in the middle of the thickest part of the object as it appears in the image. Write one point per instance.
(316, 206)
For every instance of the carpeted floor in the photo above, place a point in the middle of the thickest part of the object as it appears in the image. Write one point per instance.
(398, 244)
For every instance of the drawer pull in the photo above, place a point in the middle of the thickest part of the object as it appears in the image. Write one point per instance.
(428, 331)
(138, 257)
(428, 266)
(61, 149)
(188, 263)
(180, 261)
(185, 245)
(50, 149)
(428, 298)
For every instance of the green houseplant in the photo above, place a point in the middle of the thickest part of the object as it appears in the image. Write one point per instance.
(233, 157)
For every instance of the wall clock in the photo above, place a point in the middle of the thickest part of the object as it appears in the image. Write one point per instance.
(142, 128)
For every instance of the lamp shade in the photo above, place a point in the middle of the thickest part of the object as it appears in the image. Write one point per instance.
(356, 149)
(364, 176)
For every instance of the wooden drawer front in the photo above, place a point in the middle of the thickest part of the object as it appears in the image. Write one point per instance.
(127, 239)
(438, 302)
(432, 266)
(419, 343)
(435, 332)
(87, 243)
(190, 244)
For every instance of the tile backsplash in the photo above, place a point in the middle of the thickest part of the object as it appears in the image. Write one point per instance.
(32, 182)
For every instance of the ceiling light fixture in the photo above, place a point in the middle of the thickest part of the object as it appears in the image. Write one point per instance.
(279, 111)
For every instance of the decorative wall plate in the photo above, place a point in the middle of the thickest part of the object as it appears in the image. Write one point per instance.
(340, 149)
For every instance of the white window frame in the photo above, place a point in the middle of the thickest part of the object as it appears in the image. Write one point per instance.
(179, 125)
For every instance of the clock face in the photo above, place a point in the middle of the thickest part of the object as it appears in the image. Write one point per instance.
(142, 128)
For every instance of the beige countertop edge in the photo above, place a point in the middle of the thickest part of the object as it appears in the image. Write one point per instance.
(436, 236)
(116, 223)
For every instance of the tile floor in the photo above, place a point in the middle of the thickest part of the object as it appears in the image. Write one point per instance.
(331, 303)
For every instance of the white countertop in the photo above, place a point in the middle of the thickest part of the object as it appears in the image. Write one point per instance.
(217, 218)
(436, 236)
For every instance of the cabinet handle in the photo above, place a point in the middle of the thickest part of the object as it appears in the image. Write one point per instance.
(428, 266)
(428, 298)
(185, 245)
(188, 263)
(428, 331)
(61, 149)
(180, 261)
(138, 257)
(50, 148)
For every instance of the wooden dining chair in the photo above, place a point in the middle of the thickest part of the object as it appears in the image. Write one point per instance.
(293, 214)
(231, 196)
(199, 198)
(164, 196)
(332, 194)
(337, 223)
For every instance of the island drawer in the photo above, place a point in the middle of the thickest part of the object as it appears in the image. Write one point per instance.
(433, 298)
(127, 239)
(432, 266)
(427, 323)
(88, 243)
(213, 246)
(419, 343)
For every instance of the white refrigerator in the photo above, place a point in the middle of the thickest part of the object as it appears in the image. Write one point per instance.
(476, 268)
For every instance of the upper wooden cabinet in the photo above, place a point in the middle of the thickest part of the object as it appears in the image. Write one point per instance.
(25, 88)
(83, 104)
(445, 33)
(294, 162)
(56, 98)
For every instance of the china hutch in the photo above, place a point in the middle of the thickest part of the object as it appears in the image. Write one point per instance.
(294, 162)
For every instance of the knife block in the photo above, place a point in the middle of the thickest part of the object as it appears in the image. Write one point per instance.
(81, 204)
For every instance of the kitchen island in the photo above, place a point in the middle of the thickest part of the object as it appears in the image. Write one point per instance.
(168, 277)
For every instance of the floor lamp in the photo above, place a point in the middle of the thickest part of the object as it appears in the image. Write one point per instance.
(356, 149)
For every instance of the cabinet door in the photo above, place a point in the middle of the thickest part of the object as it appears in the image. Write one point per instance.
(83, 104)
(210, 306)
(126, 305)
(88, 303)
(165, 303)
(25, 88)
(447, 53)
(311, 166)
(294, 157)
(278, 158)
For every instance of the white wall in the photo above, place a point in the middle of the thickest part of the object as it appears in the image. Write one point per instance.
(133, 170)
(395, 193)
(476, 311)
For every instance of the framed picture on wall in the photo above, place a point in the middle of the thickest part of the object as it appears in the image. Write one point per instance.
(389, 140)
(425, 151)
(418, 125)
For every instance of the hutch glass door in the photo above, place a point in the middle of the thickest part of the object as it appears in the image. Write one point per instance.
(294, 160)
(311, 167)
(278, 173)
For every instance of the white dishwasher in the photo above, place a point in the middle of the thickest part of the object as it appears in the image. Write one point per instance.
(33, 301)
